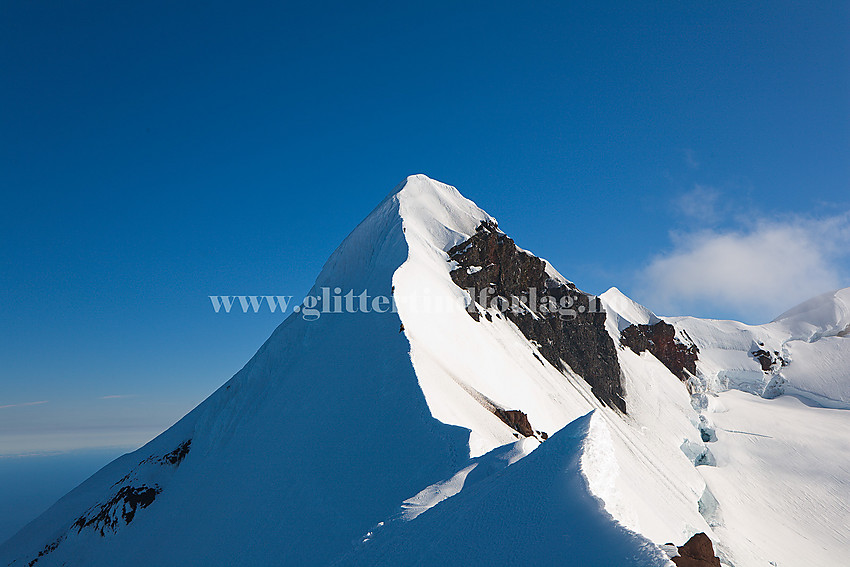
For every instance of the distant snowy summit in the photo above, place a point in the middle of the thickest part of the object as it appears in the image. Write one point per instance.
(524, 421)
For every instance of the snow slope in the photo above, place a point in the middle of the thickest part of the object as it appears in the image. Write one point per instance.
(817, 346)
(779, 475)
(781, 480)
(345, 441)
(540, 511)
(826, 315)
(810, 339)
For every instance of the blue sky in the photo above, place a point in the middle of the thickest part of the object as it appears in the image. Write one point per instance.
(696, 156)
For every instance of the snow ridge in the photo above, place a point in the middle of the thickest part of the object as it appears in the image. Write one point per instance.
(538, 511)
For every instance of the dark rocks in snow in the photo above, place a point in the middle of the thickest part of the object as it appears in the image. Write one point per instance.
(122, 506)
(568, 331)
(770, 361)
(697, 552)
(176, 456)
(764, 359)
(50, 547)
(516, 420)
(660, 339)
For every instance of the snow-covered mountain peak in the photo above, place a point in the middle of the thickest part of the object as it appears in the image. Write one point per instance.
(823, 316)
(624, 311)
(437, 214)
(419, 182)
(468, 423)
(419, 214)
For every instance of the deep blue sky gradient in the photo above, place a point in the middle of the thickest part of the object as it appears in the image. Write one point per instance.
(153, 154)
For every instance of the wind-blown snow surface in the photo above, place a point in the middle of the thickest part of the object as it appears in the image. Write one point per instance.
(344, 441)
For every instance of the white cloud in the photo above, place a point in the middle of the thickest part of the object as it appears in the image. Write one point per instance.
(753, 273)
(23, 404)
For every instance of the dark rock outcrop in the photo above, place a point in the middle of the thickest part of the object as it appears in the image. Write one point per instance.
(122, 506)
(566, 324)
(770, 361)
(176, 456)
(516, 420)
(660, 339)
(697, 552)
